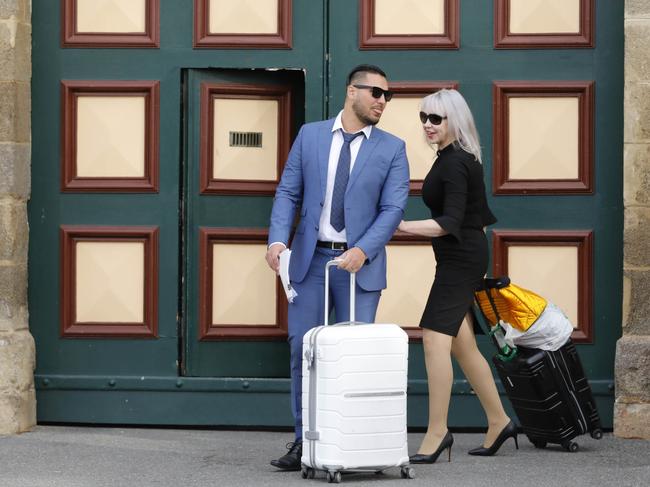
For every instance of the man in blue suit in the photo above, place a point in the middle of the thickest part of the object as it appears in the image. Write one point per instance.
(350, 182)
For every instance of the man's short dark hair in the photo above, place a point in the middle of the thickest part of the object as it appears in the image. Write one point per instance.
(361, 70)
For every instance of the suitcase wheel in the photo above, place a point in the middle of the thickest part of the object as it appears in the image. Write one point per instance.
(539, 444)
(307, 472)
(571, 446)
(597, 434)
(407, 473)
(334, 477)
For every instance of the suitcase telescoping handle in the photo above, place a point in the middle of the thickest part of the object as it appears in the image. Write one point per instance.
(327, 291)
(506, 352)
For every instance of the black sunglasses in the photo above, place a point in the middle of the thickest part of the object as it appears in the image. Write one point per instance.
(377, 91)
(434, 118)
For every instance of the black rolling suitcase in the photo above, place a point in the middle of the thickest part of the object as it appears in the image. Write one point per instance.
(548, 390)
(551, 395)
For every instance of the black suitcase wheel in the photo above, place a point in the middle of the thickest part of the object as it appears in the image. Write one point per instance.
(539, 444)
(334, 477)
(597, 434)
(407, 473)
(571, 446)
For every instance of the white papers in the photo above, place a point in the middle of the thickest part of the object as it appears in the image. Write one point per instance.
(285, 256)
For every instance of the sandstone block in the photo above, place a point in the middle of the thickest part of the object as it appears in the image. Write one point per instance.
(632, 420)
(10, 8)
(636, 168)
(17, 360)
(637, 112)
(637, 64)
(19, 321)
(15, 50)
(21, 9)
(627, 301)
(636, 237)
(638, 314)
(637, 8)
(15, 170)
(633, 368)
(13, 293)
(14, 232)
(17, 412)
(15, 107)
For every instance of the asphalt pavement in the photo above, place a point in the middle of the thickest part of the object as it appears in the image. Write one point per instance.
(76, 456)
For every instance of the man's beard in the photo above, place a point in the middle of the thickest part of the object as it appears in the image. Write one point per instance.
(362, 116)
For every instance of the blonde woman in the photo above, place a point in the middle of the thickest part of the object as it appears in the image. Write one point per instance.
(454, 191)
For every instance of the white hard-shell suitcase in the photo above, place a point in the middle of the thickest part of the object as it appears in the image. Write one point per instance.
(354, 379)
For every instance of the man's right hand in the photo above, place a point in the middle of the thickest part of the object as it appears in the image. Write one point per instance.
(273, 256)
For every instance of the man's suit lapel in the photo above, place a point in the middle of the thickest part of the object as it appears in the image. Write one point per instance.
(324, 143)
(362, 157)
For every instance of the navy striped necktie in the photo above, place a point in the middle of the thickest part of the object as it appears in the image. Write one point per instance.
(337, 216)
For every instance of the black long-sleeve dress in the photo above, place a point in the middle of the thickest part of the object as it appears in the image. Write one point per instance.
(454, 191)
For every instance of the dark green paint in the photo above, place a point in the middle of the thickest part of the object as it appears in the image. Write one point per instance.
(218, 358)
(146, 371)
(223, 402)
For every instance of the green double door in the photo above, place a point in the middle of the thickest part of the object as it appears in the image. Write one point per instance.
(188, 373)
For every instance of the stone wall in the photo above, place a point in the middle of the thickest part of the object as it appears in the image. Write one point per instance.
(17, 396)
(632, 407)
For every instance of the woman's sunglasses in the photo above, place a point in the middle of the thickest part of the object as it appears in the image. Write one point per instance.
(434, 118)
(377, 91)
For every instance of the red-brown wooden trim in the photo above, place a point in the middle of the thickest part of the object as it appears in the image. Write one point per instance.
(502, 91)
(368, 39)
(68, 238)
(208, 331)
(504, 39)
(204, 39)
(212, 91)
(70, 37)
(70, 92)
(406, 89)
(400, 238)
(582, 239)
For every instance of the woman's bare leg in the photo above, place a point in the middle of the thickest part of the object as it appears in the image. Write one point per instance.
(479, 375)
(437, 357)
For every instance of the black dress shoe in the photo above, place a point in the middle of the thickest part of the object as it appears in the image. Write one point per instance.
(290, 461)
(510, 431)
(446, 443)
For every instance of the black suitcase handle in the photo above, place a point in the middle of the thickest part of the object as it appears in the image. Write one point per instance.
(495, 283)
(506, 353)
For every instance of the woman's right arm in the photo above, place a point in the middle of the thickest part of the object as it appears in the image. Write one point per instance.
(424, 228)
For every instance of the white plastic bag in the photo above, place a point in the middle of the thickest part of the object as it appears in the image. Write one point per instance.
(549, 332)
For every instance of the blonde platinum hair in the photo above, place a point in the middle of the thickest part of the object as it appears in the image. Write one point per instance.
(460, 122)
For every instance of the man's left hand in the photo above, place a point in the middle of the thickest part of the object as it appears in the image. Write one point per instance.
(352, 260)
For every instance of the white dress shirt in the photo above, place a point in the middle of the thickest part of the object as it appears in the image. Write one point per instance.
(326, 231)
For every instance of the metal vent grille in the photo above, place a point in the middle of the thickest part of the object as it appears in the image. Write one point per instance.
(245, 139)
